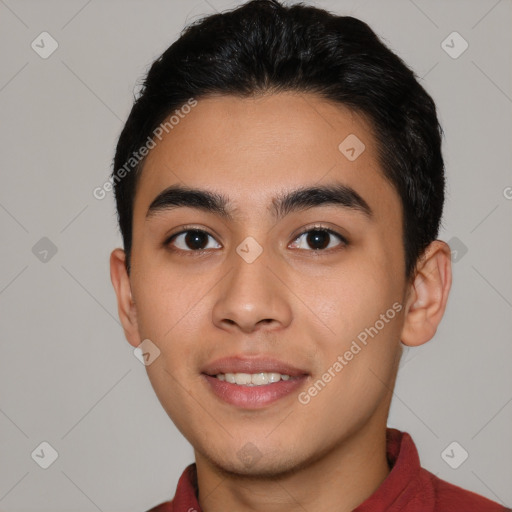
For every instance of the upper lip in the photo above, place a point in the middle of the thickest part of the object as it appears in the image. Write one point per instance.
(240, 364)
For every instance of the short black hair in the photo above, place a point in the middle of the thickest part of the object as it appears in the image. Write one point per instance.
(264, 47)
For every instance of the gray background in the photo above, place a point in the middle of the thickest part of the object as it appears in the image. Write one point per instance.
(67, 375)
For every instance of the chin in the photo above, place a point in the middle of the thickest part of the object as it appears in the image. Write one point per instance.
(254, 463)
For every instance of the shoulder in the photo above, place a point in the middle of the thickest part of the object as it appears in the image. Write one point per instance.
(452, 498)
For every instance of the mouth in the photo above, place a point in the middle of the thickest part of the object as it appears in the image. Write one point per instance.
(253, 379)
(252, 383)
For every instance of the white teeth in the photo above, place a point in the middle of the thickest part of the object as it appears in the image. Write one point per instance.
(252, 379)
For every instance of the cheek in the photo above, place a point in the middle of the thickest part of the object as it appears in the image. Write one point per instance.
(349, 298)
(356, 365)
(164, 298)
(174, 312)
(361, 307)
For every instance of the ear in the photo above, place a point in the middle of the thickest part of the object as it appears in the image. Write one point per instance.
(427, 294)
(125, 303)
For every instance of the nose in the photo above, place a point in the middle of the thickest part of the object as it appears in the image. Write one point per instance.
(251, 297)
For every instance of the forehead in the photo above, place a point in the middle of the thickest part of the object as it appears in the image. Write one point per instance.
(251, 148)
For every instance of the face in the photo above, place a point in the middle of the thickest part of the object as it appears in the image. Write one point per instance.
(311, 286)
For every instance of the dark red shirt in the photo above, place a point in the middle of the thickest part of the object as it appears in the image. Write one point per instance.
(407, 488)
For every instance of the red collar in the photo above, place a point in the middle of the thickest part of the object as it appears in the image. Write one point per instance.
(407, 488)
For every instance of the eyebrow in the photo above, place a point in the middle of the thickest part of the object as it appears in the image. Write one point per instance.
(291, 201)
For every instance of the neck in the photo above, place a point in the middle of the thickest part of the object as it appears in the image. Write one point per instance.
(340, 480)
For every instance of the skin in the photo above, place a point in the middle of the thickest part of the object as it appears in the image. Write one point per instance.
(294, 303)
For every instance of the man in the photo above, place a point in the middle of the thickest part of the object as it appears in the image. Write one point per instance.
(280, 185)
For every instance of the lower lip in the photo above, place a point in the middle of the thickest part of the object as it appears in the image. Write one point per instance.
(253, 397)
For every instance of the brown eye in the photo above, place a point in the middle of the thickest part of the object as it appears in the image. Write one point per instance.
(318, 239)
(193, 240)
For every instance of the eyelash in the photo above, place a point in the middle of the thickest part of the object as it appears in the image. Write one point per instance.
(200, 252)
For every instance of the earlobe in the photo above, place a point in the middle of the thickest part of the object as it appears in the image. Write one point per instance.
(428, 294)
(125, 303)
